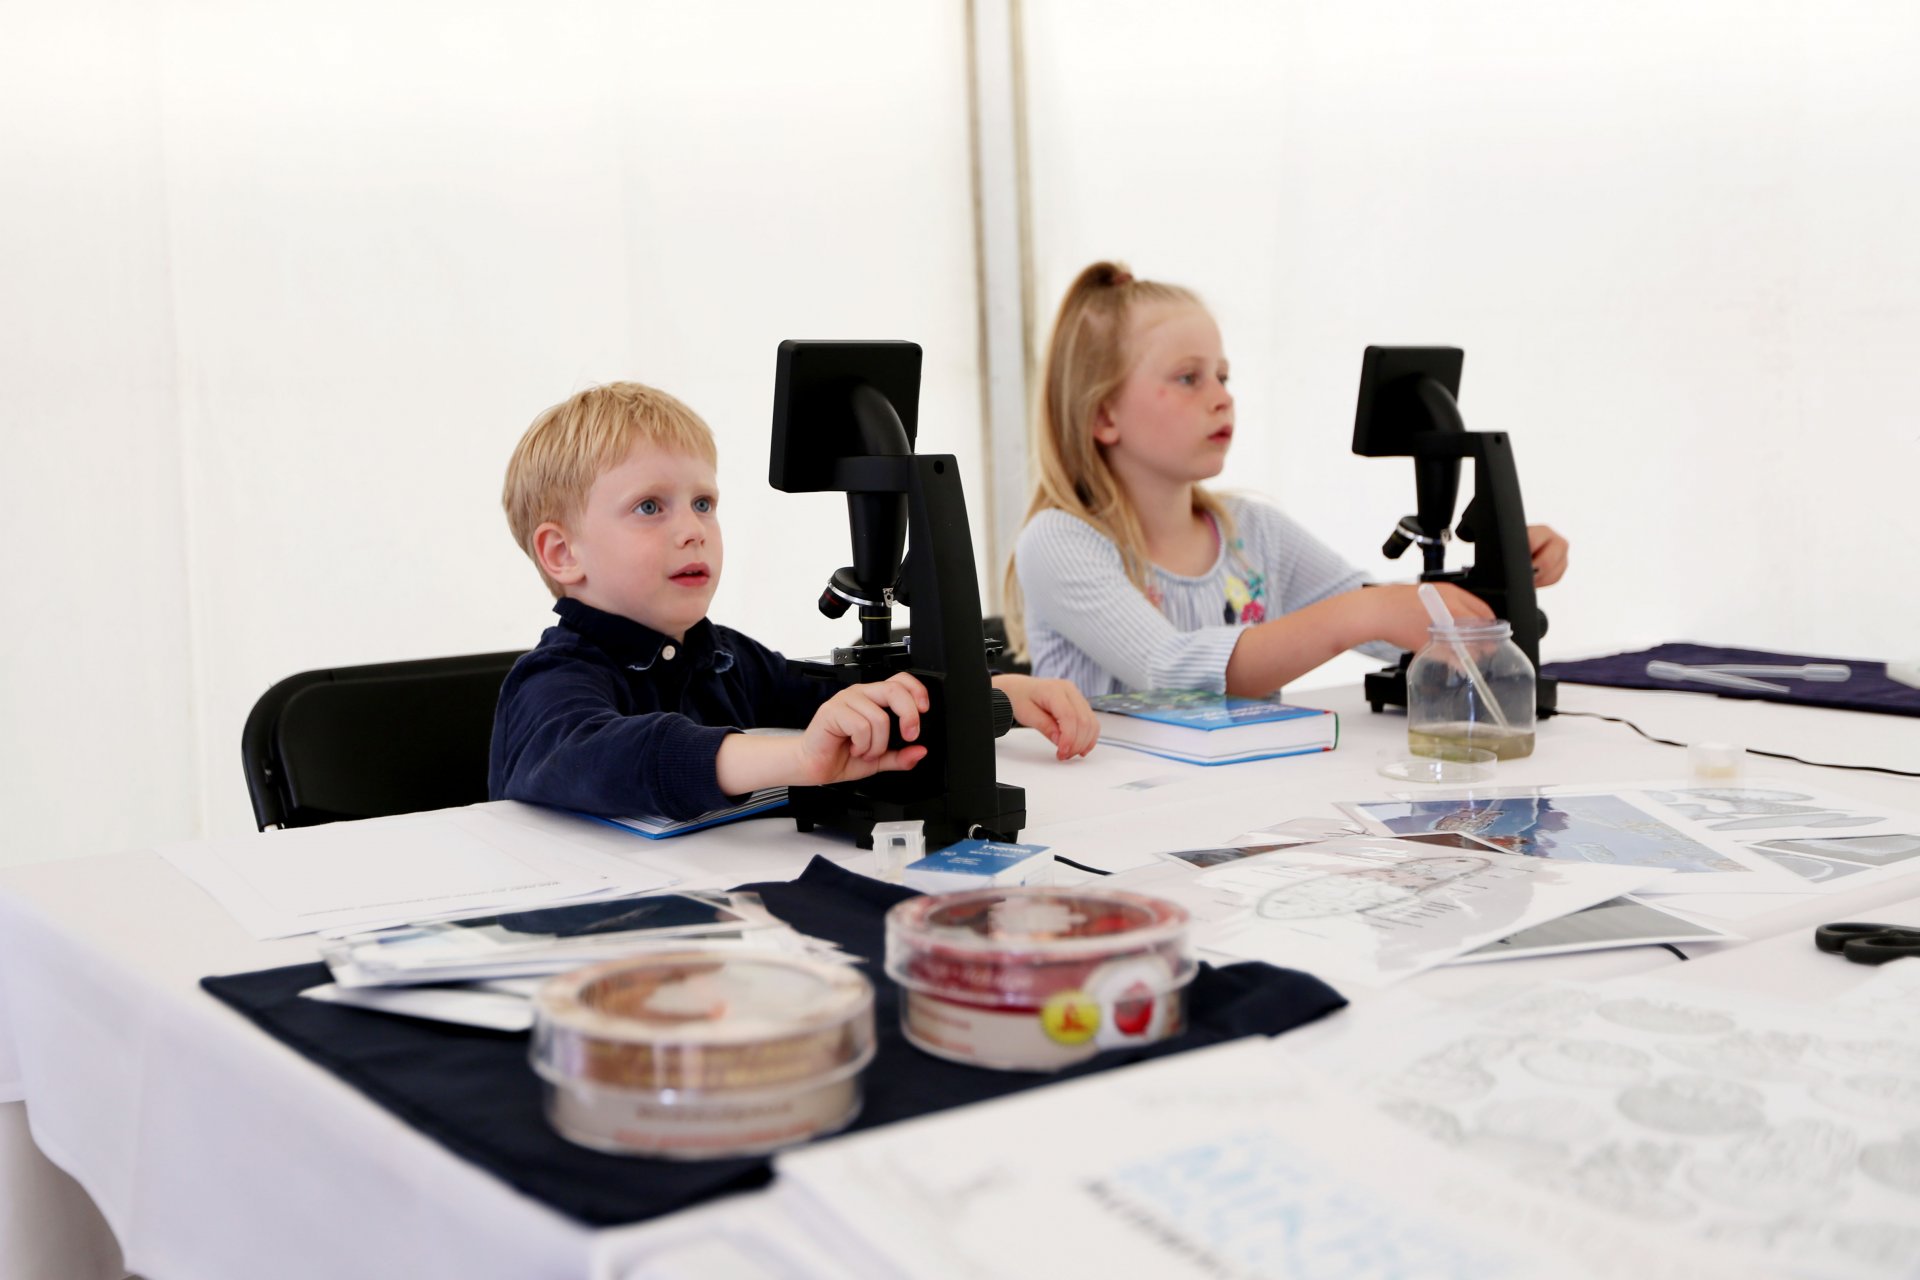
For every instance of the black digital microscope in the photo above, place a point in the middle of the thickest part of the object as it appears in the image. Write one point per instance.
(1409, 408)
(844, 420)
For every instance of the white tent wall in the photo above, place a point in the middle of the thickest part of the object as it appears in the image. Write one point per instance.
(283, 287)
(280, 289)
(1676, 241)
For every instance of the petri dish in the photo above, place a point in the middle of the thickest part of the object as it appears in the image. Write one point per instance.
(1454, 766)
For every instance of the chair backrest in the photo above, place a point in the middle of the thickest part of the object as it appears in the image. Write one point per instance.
(363, 742)
(995, 627)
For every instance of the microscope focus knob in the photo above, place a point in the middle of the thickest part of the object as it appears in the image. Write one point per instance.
(1002, 707)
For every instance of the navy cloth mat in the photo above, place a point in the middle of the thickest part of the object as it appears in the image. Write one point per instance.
(473, 1092)
(1869, 688)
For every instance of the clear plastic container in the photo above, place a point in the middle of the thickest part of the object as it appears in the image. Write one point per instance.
(703, 1053)
(1032, 979)
(1448, 711)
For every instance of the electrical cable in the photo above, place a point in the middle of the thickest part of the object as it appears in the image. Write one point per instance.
(1771, 755)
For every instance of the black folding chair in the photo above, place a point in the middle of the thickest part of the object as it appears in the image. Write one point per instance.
(363, 742)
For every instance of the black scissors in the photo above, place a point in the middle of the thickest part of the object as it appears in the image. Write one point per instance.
(1868, 943)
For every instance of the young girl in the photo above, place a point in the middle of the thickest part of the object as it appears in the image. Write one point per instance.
(1128, 574)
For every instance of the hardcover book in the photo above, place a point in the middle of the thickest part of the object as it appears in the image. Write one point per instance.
(1212, 728)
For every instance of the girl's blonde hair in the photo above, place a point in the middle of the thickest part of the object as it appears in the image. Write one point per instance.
(571, 444)
(1087, 360)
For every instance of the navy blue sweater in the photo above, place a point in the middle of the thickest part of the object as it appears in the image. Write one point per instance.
(607, 716)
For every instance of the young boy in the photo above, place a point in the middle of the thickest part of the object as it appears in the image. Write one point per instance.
(634, 702)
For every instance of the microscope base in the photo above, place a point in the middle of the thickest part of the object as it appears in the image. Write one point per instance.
(1387, 687)
(844, 809)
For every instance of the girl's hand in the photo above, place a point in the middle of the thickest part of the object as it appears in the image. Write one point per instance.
(1056, 708)
(1549, 551)
(847, 739)
(1400, 618)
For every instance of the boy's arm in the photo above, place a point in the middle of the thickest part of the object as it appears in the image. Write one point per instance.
(846, 740)
(561, 739)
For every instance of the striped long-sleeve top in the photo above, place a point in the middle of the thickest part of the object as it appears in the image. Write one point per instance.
(1087, 623)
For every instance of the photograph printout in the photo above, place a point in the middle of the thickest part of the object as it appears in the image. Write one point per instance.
(1603, 828)
(1618, 922)
(1831, 863)
(1783, 1128)
(1374, 910)
(1772, 809)
(1827, 842)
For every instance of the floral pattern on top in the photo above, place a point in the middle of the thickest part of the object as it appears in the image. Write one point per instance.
(1246, 587)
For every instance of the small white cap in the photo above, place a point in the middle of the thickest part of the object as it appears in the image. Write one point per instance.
(1715, 759)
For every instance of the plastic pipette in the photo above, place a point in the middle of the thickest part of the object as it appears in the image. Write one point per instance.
(1443, 618)
(1701, 675)
(1823, 671)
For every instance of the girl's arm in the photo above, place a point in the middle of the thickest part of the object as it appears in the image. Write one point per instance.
(1276, 653)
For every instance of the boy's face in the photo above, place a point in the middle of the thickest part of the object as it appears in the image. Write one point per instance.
(647, 545)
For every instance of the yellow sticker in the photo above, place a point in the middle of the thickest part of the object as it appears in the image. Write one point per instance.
(1070, 1017)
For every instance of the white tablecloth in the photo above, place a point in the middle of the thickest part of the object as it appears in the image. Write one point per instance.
(215, 1153)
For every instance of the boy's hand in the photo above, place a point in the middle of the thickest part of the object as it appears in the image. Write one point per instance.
(847, 739)
(1549, 552)
(1054, 707)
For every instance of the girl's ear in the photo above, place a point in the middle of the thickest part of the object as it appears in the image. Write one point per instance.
(555, 554)
(1105, 430)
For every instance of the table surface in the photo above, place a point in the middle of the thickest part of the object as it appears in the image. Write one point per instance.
(213, 1151)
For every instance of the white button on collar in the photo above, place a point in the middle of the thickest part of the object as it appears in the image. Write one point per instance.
(667, 651)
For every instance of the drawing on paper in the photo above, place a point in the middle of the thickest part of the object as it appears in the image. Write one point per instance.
(1589, 1063)
(1894, 1164)
(1356, 892)
(1694, 1105)
(1879, 1096)
(1883, 1244)
(1545, 1011)
(1628, 1177)
(1749, 1055)
(1793, 1166)
(1666, 1017)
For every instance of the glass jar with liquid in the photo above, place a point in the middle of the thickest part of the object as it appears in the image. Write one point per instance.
(1470, 687)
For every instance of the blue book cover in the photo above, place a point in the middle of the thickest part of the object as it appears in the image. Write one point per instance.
(1193, 709)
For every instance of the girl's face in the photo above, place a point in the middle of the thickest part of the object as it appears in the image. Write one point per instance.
(1172, 419)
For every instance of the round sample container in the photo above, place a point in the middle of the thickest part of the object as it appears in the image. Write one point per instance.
(702, 1053)
(1033, 979)
(1447, 704)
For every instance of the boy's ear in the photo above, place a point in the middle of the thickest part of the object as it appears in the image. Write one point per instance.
(1105, 430)
(555, 555)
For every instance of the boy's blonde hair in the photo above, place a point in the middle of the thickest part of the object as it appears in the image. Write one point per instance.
(1087, 360)
(570, 445)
